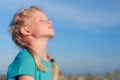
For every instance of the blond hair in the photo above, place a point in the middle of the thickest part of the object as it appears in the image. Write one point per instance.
(20, 20)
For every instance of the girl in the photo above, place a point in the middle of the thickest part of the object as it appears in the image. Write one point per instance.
(31, 31)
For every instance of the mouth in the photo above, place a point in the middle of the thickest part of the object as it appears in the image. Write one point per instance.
(50, 27)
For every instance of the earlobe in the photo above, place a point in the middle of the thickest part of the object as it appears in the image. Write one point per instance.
(25, 31)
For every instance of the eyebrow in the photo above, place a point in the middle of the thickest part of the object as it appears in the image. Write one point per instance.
(42, 17)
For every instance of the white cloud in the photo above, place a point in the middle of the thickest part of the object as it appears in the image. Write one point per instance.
(78, 15)
(82, 17)
(89, 20)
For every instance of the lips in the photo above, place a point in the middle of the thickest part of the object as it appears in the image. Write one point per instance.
(50, 27)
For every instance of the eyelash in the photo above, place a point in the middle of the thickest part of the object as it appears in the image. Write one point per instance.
(47, 20)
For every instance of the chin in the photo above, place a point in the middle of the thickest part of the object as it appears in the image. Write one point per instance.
(51, 35)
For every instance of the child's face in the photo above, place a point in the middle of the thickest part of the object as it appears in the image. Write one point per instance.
(40, 26)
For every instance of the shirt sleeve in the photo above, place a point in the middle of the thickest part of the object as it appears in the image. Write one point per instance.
(22, 66)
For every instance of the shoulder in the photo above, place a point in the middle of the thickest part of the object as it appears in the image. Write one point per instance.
(23, 58)
(22, 64)
(24, 55)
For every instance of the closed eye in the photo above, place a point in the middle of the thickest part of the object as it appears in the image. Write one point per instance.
(41, 20)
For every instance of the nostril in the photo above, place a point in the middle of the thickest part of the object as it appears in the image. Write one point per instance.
(50, 22)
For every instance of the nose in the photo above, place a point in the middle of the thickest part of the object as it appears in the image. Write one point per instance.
(49, 22)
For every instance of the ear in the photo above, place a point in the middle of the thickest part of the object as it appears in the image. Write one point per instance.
(25, 31)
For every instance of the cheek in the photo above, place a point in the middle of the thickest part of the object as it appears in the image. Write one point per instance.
(38, 31)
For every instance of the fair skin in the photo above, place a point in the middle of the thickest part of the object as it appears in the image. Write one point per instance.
(37, 36)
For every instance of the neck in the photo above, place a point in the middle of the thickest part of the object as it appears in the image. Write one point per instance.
(40, 47)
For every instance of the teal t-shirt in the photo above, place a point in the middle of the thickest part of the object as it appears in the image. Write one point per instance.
(24, 64)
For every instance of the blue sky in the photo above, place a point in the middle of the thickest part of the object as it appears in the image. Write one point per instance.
(87, 33)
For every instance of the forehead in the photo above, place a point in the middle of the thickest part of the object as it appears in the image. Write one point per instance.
(38, 14)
